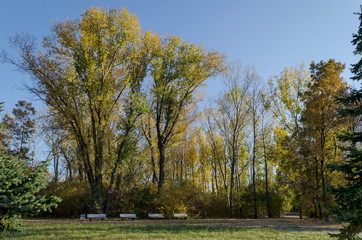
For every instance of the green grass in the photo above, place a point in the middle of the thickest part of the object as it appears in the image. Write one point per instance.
(41, 230)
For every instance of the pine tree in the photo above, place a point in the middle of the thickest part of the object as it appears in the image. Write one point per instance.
(348, 198)
(19, 188)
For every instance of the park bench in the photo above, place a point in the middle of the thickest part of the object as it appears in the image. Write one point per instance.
(99, 216)
(156, 215)
(180, 215)
(127, 215)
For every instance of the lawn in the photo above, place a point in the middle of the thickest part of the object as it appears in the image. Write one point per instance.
(160, 229)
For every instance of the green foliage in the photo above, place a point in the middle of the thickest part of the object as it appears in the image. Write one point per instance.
(76, 199)
(348, 198)
(138, 199)
(320, 128)
(178, 70)
(171, 201)
(182, 198)
(285, 96)
(280, 202)
(18, 130)
(19, 188)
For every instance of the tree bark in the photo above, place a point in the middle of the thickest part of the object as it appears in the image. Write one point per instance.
(161, 177)
(253, 168)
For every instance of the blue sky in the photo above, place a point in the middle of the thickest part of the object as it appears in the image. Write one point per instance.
(269, 34)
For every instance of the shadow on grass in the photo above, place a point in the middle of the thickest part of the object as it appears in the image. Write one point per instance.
(65, 231)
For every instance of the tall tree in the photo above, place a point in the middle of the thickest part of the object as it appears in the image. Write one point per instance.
(286, 103)
(348, 197)
(20, 128)
(219, 159)
(19, 187)
(321, 126)
(286, 96)
(266, 135)
(255, 109)
(84, 72)
(178, 70)
(231, 118)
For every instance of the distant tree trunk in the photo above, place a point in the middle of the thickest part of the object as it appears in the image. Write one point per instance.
(231, 210)
(323, 178)
(266, 177)
(300, 211)
(253, 168)
(56, 167)
(215, 178)
(238, 187)
(68, 165)
(255, 200)
(120, 155)
(318, 213)
(267, 188)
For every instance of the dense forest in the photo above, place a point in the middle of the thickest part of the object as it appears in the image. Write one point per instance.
(127, 130)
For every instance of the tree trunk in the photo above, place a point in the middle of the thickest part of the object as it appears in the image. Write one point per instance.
(253, 169)
(231, 214)
(323, 178)
(254, 191)
(161, 177)
(56, 167)
(267, 189)
(153, 163)
(324, 196)
(215, 177)
(238, 187)
(114, 170)
(266, 179)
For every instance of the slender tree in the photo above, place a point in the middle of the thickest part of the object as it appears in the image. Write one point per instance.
(286, 103)
(321, 126)
(231, 118)
(255, 109)
(20, 128)
(266, 133)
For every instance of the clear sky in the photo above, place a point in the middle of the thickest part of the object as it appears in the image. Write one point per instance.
(269, 34)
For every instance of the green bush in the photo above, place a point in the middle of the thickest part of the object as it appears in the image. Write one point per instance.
(76, 199)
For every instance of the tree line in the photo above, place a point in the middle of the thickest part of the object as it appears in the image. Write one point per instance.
(125, 133)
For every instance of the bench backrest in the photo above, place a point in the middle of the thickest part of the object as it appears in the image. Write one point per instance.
(155, 215)
(180, 215)
(127, 215)
(96, 216)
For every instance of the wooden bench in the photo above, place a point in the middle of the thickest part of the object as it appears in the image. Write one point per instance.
(156, 215)
(127, 215)
(99, 216)
(180, 215)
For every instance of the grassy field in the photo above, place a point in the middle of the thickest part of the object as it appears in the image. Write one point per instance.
(161, 229)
